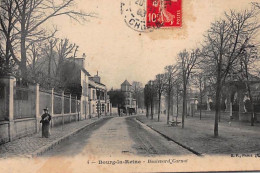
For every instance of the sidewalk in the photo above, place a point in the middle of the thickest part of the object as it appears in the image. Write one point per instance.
(34, 145)
(198, 135)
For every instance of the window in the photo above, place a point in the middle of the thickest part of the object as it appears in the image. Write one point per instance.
(93, 97)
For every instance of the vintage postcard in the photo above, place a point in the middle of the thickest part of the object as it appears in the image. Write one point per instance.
(129, 86)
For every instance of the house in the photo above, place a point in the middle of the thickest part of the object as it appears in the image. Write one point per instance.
(94, 100)
(130, 102)
(99, 103)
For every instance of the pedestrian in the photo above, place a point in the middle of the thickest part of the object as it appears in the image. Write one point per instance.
(46, 118)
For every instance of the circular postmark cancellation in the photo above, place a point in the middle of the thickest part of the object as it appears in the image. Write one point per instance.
(142, 15)
(134, 13)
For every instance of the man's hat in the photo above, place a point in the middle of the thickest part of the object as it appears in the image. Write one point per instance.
(45, 109)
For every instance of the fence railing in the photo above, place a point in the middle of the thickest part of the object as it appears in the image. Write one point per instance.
(24, 102)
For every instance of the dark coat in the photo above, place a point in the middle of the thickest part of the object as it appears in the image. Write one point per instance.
(46, 118)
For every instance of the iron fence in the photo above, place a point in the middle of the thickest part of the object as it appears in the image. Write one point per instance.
(57, 103)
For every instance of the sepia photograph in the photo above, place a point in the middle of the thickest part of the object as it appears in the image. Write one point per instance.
(129, 86)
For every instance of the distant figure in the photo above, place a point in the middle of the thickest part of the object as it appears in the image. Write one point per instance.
(46, 118)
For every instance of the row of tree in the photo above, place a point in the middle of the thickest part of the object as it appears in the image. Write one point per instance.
(228, 52)
(26, 42)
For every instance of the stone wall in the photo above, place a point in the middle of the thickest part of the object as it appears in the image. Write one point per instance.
(4, 132)
(24, 127)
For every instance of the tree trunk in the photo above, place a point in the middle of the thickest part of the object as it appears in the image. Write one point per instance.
(217, 106)
(251, 104)
(184, 103)
(152, 109)
(168, 107)
(49, 60)
(7, 50)
(177, 99)
(159, 107)
(200, 99)
(147, 111)
(23, 57)
(23, 44)
(221, 100)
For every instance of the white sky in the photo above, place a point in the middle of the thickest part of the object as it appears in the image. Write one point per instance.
(120, 53)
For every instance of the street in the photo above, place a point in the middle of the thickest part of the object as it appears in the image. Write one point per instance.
(118, 136)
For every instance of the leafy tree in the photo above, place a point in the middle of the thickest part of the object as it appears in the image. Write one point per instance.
(117, 97)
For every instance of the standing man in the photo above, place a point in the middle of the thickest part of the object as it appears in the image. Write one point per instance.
(46, 118)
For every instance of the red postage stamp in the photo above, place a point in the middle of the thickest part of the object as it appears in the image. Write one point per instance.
(164, 13)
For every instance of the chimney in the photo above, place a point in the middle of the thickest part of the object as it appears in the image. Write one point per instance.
(84, 55)
(84, 60)
(96, 78)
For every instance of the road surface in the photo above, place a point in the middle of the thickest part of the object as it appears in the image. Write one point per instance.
(118, 136)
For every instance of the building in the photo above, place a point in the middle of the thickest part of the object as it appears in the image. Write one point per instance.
(94, 100)
(99, 103)
(130, 102)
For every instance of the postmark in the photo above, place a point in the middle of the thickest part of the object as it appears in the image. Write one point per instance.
(134, 13)
(144, 15)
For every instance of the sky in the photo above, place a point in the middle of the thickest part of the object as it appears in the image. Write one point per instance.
(118, 52)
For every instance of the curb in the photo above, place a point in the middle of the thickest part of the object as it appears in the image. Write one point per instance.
(47, 147)
(170, 139)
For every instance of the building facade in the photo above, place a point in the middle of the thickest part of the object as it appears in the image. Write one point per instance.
(99, 103)
(130, 102)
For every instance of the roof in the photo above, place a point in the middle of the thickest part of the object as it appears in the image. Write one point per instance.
(91, 82)
(126, 83)
(85, 71)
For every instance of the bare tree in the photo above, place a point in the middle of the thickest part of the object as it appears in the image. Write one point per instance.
(186, 63)
(64, 49)
(224, 43)
(32, 14)
(199, 82)
(49, 51)
(160, 87)
(137, 93)
(170, 72)
(8, 35)
(249, 62)
(34, 54)
(152, 94)
(147, 99)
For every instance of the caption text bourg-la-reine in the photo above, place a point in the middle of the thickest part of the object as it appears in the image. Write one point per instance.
(150, 161)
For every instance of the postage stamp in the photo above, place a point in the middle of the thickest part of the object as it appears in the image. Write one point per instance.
(141, 15)
(164, 13)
